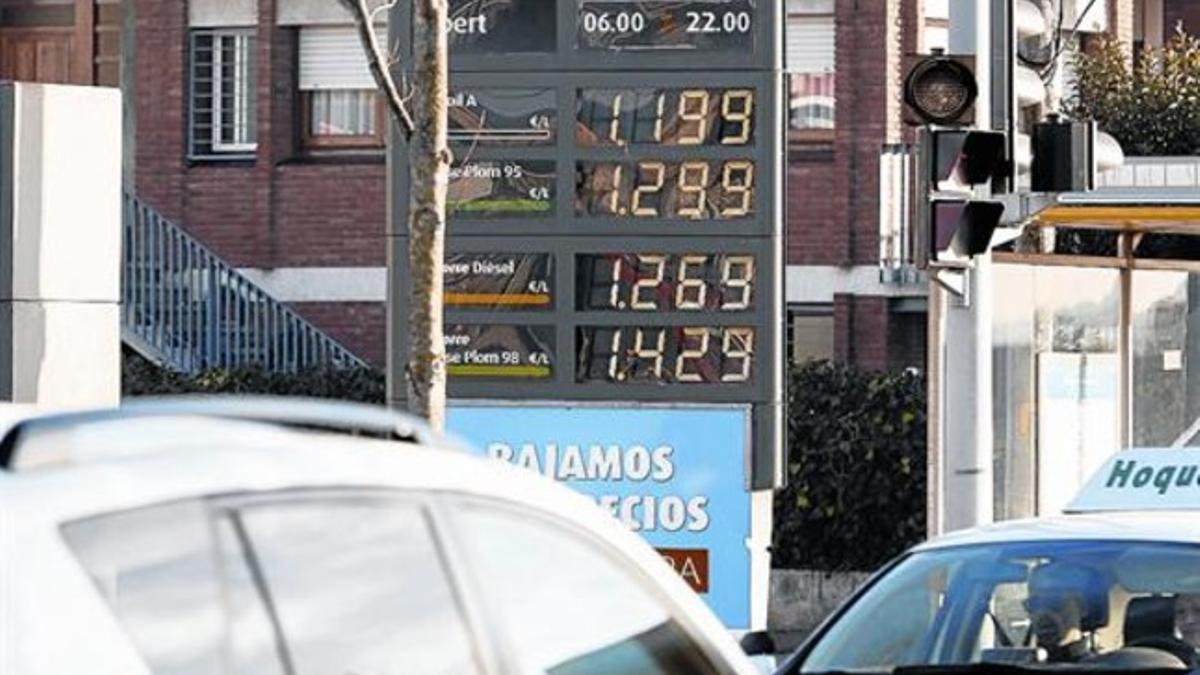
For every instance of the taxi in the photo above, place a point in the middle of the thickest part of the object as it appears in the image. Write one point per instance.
(1112, 583)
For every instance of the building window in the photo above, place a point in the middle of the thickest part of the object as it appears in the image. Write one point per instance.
(343, 118)
(811, 31)
(810, 333)
(341, 107)
(223, 94)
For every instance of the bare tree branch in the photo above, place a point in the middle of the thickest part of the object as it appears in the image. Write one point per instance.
(383, 7)
(364, 16)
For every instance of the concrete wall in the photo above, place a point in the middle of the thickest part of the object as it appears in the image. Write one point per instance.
(60, 244)
(801, 599)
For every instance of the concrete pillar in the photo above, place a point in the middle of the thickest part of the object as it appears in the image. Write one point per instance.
(60, 244)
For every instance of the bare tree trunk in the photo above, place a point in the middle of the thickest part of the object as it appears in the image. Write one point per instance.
(429, 168)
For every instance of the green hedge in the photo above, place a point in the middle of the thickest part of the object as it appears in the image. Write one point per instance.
(140, 377)
(856, 475)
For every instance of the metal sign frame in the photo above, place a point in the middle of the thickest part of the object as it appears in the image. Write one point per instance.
(564, 235)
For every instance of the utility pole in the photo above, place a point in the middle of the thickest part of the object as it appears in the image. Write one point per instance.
(965, 400)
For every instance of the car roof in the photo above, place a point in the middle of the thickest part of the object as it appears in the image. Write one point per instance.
(1173, 526)
(117, 464)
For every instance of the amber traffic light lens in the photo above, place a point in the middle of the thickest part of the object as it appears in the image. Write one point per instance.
(940, 90)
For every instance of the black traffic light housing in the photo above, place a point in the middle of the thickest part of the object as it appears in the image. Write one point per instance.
(1062, 156)
(957, 224)
(969, 157)
(961, 229)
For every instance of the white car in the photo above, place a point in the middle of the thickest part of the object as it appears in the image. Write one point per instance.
(262, 537)
(1113, 583)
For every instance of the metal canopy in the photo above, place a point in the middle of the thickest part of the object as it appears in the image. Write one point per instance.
(1142, 211)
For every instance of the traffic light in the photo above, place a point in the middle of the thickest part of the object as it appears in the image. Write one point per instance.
(957, 163)
(940, 89)
(1062, 156)
(962, 229)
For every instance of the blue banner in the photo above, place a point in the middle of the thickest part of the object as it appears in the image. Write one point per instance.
(675, 476)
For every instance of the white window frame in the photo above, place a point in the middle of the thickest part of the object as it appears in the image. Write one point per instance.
(243, 108)
(205, 96)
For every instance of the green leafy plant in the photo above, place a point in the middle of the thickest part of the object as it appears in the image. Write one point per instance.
(856, 476)
(1152, 105)
(140, 377)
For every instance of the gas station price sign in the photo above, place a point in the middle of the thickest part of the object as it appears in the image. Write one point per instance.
(614, 248)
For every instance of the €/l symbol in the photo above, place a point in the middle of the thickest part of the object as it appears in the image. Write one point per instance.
(539, 193)
(539, 286)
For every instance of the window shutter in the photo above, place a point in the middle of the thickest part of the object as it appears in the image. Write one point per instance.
(810, 44)
(937, 9)
(318, 12)
(222, 13)
(332, 57)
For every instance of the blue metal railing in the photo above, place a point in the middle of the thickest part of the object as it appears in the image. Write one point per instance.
(187, 309)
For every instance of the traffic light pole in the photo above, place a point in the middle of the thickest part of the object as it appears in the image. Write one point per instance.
(960, 327)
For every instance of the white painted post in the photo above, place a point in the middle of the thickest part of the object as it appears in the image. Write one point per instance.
(60, 245)
(966, 447)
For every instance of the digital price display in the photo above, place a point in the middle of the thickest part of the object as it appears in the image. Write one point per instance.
(696, 189)
(665, 355)
(663, 116)
(633, 213)
(655, 282)
(658, 25)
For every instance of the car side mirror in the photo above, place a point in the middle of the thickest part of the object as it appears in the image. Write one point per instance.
(757, 643)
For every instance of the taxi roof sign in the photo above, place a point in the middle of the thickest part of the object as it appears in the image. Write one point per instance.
(1141, 480)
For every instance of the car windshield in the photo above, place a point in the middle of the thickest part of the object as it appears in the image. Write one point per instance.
(1128, 604)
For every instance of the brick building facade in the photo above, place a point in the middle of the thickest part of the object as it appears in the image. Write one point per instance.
(285, 205)
(307, 218)
(834, 199)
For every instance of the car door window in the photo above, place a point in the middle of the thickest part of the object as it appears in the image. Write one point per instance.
(293, 585)
(568, 606)
(186, 610)
(357, 587)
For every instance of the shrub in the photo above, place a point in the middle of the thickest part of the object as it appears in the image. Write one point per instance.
(856, 475)
(142, 378)
(1151, 106)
